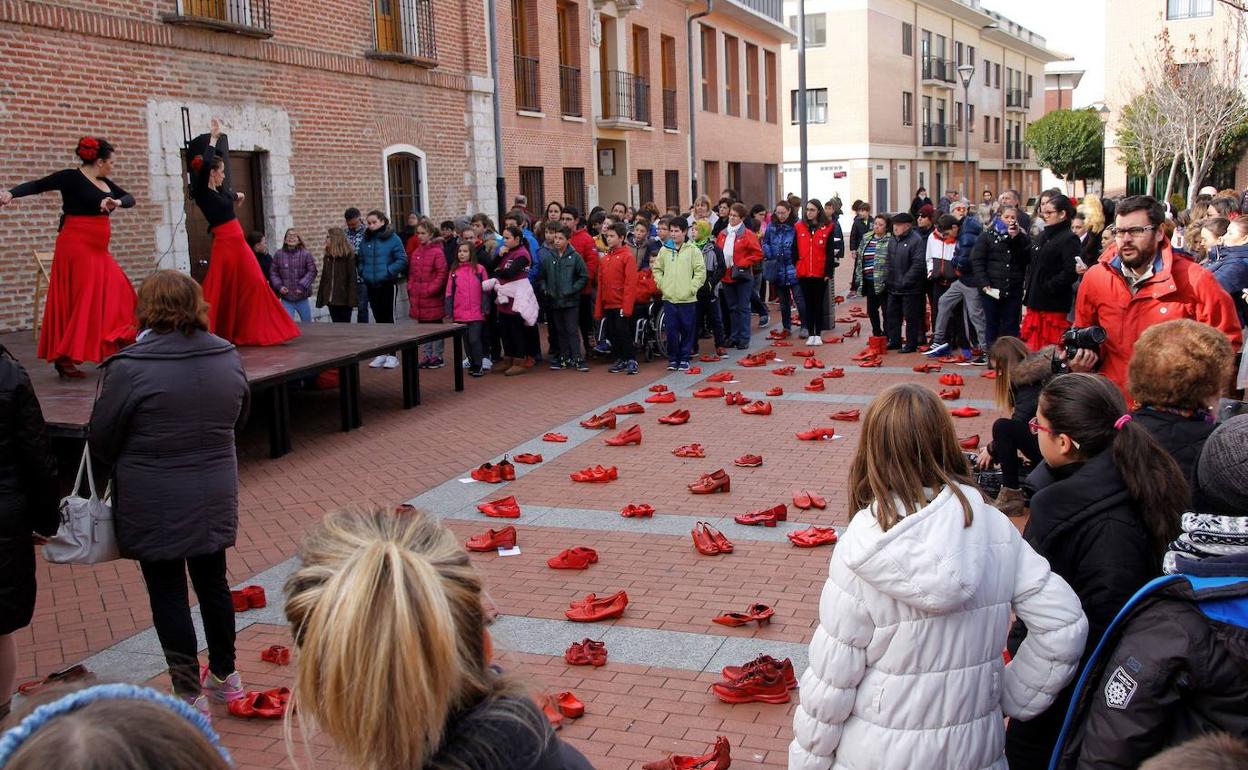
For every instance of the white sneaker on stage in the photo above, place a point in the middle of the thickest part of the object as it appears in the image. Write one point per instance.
(377, 362)
(814, 339)
(391, 362)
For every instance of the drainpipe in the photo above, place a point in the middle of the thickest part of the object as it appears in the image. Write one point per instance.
(500, 181)
(693, 120)
(803, 147)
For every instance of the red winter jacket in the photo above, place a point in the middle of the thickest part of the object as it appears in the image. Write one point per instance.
(617, 281)
(1179, 288)
(426, 280)
(814, 250)
(746, 252)
(584, 244)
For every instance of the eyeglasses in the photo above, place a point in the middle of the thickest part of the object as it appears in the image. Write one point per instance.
(1047, 212)
(1130, 232)
(1036, 427)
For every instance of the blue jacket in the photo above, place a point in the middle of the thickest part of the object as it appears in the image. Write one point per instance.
(382, 258)
(1231, 270)
(968, 233)
(778, 252)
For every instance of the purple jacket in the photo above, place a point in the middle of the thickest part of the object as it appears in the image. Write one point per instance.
(295, 270)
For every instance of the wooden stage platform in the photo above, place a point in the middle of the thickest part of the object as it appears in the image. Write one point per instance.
(270, 370)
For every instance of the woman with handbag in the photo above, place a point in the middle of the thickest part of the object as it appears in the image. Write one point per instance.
(742, 252)
(28, 497)
(165, 420)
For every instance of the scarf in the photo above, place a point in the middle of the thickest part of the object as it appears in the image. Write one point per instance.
(730, 241)
(1206, 535)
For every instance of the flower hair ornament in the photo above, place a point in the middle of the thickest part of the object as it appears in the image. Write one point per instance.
(88, 149)
(13, 739)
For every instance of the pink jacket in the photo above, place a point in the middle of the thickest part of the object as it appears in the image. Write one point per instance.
(517, 294)
(426, 280)
(465, 281)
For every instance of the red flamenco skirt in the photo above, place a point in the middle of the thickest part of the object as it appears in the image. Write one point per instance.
(1043, 327)
(89, 313)
(241, 306)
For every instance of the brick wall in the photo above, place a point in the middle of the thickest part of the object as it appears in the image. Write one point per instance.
(115, 70)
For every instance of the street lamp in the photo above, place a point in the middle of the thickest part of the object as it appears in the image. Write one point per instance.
(966, 72)
(1103, 114)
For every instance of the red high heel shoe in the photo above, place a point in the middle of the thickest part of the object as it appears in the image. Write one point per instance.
(678, 417)
(630, 435)
(817, 434)
(637, 511)
(595, 609)
(854, 331)
(846, 415)
(776, 391)
(812, 537)
(579, 557)
(600, 421)
(666, 397)
(690, 450)
(766, 516)
(756, 613)
(67, 369)
(502, 508)
(631, 408)
(762, 408)
(712, 482)
(718, 758)
(491, 540)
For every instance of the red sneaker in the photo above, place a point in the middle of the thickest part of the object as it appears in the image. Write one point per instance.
(970, 442)
(812, 537)
(758, 407)
(817, 434)
(708, 393)
(637, 511)
(762, 685)
(630, 435)
(502, 508)
(633, 408)
(767, 516)
(724, 376)
(784, 667)
(491, 539)
(666, 397)
(846, 415)
(528, 458)
(951, 379)
(579, 557)
(748, 461)
(689, 450)
(776, 391)
(951, 394)
(557, 438)
(678, 417)
(598, 609)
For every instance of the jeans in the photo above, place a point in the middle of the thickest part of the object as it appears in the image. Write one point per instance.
(911, 308)
(472, 338)
(790, 296)
(813, 292)
(340, 314)
(972, 313)
(678, 322)
(171, 615)
(709, 312)
(1009, 437)
(738, 295)
(435, 349)
(361, 292)
(299, 310)
(1002, 316)
(619, 330)
(566, 320)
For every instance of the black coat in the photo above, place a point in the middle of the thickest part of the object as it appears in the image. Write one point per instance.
(1051, 274)
(28, 492)
(1002, 260)
(506, 734)
(165, 419)
(906, 271)
(1183, 437)
(1090, 248)
(1082, 521)
(1174, 672)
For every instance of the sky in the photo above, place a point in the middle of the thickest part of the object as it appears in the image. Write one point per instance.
(1073, 27)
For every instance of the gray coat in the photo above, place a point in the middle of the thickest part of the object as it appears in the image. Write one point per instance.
(165, 420)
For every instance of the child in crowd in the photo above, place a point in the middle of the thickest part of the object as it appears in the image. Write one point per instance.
(388, 613)
(679, 272)
(643, 246)
(709, 311)
(563, 275)
(617, 287)
(426, 286)
(293, 272)
(906, 668)
(464, 300)
(338, 285)
(259, 247)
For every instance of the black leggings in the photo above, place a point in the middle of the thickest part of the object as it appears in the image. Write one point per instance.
(171, 614)
(381, 301)
(1009, 437)
(875, 307)
(619, 329)
(813, 290)
(511, 326)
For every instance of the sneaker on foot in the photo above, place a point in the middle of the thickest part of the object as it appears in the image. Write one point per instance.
(225, 690)
(580, 365)
(436, 363)
(391, 362)
(199, 703)
(979, 361)
(673, 366)
(764, 320)
(814, 339)
(684, 366)
(377, 362)
(935, 351)
(618, 367)
(486, 364)
(556, 363)
(801, 332)
(632, 367)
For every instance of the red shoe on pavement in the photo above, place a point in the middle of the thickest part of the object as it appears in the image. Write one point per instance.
(778, 334)
(801, 499)
(748, 461)
(557, 438)
(600, 421)
(951, 379)
(833, 374)
(846, 415)
(776, 391)
(487, 472)
(816, 501)
(528, 458)
(666, 397)
(813, 363)
(579, 557)
(781, 344)
(965, 411)
(506, 469)
(833, 340)
(762, 408)
(710, 541)
(596, 474)
(631, 408)
(694, 370)
(857, 312)
(658, 388)
(630, 435)
(951, 394)
(708, 393)
(678, 417)
(970, 442)
(785, 371)
(815, 386)
(752, 361)
(766, 516)
(276, 653)
(491, 539)
(718, 758)
(990, 374)
(815, 536)
(569, 705)
(783, 667)
(804, 353)
(927, 368)
(854, 331)
(724, 376)
(689, 450)
(736, 398)
(710, 483)
(502, 508)
(595, 609)
(871, 363)
(756, 613)
(586, 652)
(708, 358)
(817, 434)
(956, 358)
(762, 685)
(637, 511)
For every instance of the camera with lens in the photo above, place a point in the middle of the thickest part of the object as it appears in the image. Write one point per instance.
(1075, 339)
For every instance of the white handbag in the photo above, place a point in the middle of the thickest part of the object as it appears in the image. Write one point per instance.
(86, 534)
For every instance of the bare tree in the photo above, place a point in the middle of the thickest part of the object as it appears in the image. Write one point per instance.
(1147, 137)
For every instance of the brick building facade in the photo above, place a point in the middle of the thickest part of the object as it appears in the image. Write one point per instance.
(328, 105)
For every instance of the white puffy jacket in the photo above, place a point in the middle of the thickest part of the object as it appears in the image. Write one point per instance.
(905, 666)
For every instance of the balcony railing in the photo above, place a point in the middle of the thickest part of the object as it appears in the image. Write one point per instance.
(773, 9)
(1016, 98)
(940, 135)
(1017, 150)
(570, 91)
(625, 96)
(669, 109)
(940, 70)
(244, 17)
(528, 97)
(405, 33)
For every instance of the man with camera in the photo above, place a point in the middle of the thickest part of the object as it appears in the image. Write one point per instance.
(1139, 281)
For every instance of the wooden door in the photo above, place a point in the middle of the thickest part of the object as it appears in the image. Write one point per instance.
(388, 25)
(245, 177)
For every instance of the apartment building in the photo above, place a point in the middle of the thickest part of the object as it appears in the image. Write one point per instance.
(595, 99)
(888, 111)
(1130, 32)
(354, 103)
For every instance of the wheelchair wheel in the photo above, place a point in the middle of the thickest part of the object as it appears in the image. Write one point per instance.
(660, 339)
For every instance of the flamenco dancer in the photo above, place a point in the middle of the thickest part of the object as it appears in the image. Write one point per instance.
(242, 307)
(89, 313)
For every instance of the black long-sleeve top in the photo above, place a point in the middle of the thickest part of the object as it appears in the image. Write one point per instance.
(217, 205)
(79, 197)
